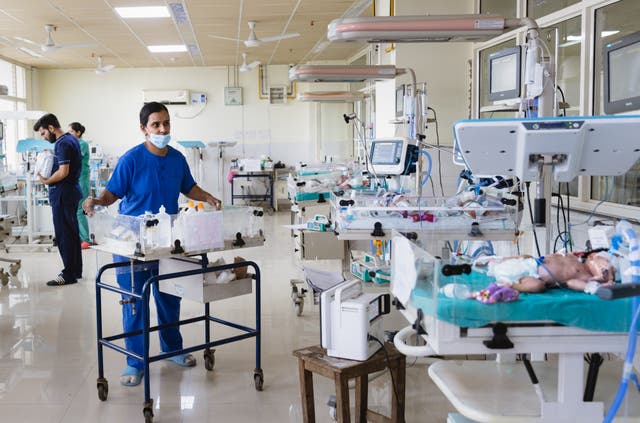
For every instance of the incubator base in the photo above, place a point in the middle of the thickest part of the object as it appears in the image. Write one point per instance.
(512, 397)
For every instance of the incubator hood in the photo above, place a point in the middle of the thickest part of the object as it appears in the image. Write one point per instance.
(443, 28)
(343, 73)
(330, 96)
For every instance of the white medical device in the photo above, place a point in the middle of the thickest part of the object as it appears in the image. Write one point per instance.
(596, 145)
(348, 316)
(391, 156)
(95, 152)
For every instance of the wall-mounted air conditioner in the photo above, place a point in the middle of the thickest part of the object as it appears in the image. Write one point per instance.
(167, 96)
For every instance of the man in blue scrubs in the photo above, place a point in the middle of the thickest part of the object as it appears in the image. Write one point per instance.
(150, 175)
(64, 196)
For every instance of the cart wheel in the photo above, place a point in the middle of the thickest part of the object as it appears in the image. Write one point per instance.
(298, 308)
(103, 390)
(209, 359)
(258, 379)
(14, 268)
(148, 415)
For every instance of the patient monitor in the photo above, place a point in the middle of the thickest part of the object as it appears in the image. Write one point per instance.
(392, 156)
(588, 145)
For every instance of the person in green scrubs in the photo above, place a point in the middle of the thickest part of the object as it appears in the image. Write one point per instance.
(77, 129)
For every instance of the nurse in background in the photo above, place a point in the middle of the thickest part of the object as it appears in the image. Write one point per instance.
(77, 129)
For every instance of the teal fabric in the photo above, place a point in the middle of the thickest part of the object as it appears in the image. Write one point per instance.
(306, 196)
(85, 187)
(563, 306)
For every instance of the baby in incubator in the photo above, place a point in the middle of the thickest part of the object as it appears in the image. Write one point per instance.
(529, 274)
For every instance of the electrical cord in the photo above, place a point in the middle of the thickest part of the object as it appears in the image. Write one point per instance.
(435, 117)
(361, 135)
(386, 355)
(569, 218)
(593, 211)
(564, 111)
(535, 235)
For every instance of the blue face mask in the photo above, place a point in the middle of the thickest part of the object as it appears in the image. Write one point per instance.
(160, 141)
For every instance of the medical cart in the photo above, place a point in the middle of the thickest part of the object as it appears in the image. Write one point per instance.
(201, 267)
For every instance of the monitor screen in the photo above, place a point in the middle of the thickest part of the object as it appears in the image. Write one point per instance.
(385, 152)
(622, 75)
(504, 74)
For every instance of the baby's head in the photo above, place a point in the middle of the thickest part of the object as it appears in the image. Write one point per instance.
(600, 266)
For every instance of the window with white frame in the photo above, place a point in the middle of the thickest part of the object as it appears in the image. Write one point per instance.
(580, 79)
(506, 8)
(14, 77)
(613, 22)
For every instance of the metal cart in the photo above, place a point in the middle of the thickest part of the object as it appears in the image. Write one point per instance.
(209, 360)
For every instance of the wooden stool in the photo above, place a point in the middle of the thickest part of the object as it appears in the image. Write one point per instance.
(315, 359)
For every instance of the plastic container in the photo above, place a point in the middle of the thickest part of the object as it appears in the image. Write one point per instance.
(456, 290)
(148, 231)
(164, 228)
(200, 230)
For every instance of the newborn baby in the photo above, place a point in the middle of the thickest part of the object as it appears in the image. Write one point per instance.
(528, 274)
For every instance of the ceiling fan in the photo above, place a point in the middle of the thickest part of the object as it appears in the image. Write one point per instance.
(253, 40)
(101, 69)
(244, 67)
(49, 44)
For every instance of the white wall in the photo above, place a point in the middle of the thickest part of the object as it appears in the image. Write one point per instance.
(445, 69)
(108, 106)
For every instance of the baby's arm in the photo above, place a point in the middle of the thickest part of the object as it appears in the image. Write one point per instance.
(580, 285)
(577, 284)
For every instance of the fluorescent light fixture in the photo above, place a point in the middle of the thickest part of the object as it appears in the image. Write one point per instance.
(343, 73)
(30, 52)
(330, 96)
(142, 12)
(174, 48)
(420, 28)
(575, 39)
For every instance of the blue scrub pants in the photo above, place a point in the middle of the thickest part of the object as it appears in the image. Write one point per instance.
(167, 307)
(65, 226)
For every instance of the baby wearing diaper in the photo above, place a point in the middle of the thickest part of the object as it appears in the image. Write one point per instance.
(528, 274)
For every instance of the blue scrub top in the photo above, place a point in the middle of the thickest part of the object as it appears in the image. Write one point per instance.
(66, 150)
(144, 181)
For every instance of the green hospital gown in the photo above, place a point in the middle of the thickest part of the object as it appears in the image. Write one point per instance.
(85, 187)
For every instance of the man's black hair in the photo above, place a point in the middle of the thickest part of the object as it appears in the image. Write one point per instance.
(45, 121)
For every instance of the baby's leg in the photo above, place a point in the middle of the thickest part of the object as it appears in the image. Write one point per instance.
(529, 284)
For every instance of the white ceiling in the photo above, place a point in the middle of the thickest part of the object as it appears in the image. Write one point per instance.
(123, 42)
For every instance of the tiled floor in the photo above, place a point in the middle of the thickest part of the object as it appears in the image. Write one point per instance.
(48, 359)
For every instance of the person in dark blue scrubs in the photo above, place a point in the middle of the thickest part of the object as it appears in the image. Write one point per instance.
(64, 196)
(150, 175)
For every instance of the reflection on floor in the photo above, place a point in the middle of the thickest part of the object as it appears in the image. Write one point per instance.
(48, 363)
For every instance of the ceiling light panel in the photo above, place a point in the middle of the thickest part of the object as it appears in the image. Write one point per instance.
(144, 12)
(168, 48)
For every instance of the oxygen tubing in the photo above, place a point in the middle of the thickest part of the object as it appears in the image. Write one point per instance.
(627, 234)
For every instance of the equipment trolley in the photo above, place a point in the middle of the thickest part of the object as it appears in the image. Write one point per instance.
(204, 268)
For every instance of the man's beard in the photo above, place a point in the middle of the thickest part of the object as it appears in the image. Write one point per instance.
(52, 138)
